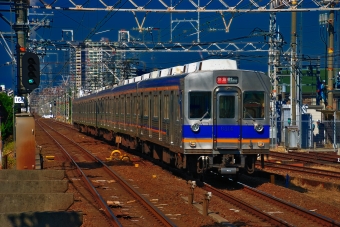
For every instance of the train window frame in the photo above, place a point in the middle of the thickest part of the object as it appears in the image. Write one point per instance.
(256, 107)
(197, 108)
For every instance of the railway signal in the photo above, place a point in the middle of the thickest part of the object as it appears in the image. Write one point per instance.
(30, 71)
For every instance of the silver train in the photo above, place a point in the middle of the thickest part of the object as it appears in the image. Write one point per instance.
(206, 116)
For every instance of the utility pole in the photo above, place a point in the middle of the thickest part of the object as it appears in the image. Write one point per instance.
(272, 73)
(330, 73)
(21, 29)
(293, 66)
(272, 55)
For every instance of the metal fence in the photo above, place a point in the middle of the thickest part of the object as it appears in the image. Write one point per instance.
(306, 134)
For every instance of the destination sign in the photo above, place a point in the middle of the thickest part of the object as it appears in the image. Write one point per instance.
(227, 80)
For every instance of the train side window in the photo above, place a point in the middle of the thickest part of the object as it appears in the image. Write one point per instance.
(166, 107)
(146, 106)
(178, 107)
(122, 109)
(107, 106)
(227, 107)
(100, 108)
(199, 104)
(117, 105)
(112, 105)
(135, 106)
(253, 104)
(128, 105)
(155, 106)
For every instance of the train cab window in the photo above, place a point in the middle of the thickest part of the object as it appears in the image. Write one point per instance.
(253, 104)
(199, 104)
(226, 107)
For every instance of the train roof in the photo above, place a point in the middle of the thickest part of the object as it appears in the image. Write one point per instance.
(210, 64)
(204, 65)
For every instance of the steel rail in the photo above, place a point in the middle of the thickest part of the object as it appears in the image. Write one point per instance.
(146, 204)
(243, 205)
(319, 172)
(114, 221)
(302, 158)
(318, 156)
(324, 221)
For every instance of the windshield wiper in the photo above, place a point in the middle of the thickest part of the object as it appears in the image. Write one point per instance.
(206, 113)
(257, 127)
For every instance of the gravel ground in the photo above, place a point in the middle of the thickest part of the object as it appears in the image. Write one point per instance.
(168, 191)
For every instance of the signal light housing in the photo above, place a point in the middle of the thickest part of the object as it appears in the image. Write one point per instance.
(30, 71)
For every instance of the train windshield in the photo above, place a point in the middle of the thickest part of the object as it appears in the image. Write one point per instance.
(199, 104)
(253, 104)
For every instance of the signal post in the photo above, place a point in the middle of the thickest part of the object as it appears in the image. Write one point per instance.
(25, 145)
(28, 79)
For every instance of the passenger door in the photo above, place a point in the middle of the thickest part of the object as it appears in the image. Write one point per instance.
(227, 130)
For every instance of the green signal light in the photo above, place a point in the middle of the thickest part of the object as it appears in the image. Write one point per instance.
(30, 72)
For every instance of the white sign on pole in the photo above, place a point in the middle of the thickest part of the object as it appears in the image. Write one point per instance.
(304, 108)
(19, 99)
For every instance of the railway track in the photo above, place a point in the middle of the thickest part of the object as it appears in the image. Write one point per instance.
(331, 157)
(245, 215)
(305, 170)
(296, 215)
(99, 178)
(320, 159)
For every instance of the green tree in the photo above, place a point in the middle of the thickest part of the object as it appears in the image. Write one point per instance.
(6, 114)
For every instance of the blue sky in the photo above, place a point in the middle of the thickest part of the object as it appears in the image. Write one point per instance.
(86, 24)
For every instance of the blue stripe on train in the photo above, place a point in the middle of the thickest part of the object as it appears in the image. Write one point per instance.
(204, 132)
(249, 132)
(226, 131)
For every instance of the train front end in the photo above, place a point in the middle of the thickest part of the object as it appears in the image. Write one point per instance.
(226, 124)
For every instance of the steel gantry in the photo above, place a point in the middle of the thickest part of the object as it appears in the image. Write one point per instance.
(190, 6)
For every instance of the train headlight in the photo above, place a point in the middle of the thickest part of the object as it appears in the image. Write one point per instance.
(258, 127)
(195, 127)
